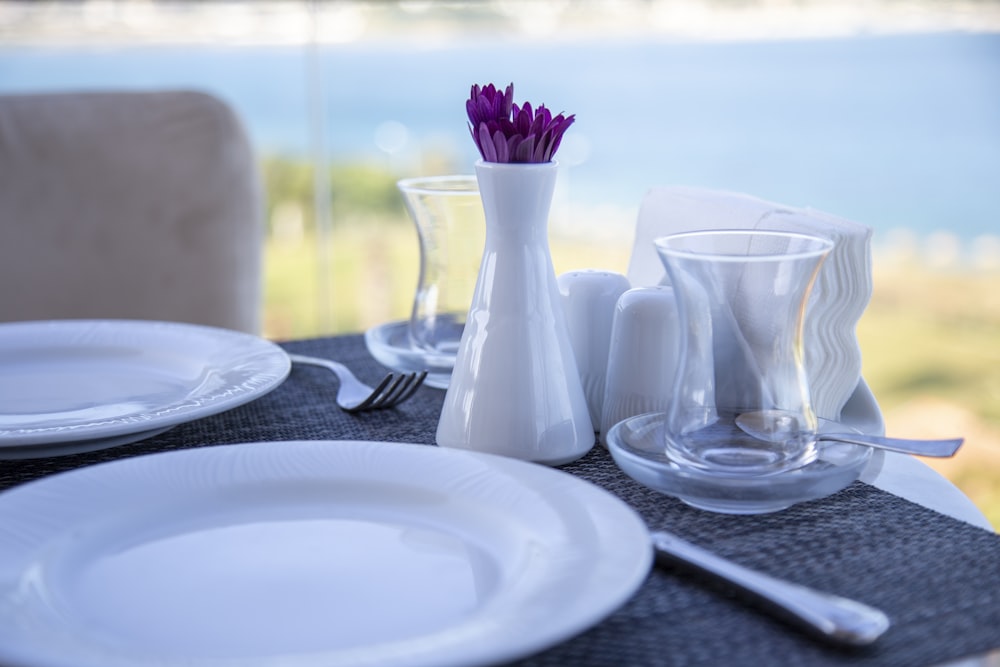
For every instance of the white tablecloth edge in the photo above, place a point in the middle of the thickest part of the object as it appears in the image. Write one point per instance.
(910, 478)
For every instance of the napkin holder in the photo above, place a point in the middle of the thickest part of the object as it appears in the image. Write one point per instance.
(839, 298)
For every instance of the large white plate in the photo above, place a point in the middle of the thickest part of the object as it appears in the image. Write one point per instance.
(309, 554)
(76, 385)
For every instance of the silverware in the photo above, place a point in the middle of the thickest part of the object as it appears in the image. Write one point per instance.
(830, 617)
(773, 426)
(355, 396)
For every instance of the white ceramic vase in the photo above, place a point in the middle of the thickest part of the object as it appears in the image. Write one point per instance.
(515, 389)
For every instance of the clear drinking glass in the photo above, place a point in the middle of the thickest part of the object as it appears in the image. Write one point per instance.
(740, 402)
(451, 227)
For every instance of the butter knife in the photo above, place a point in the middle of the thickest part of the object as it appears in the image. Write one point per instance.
(828, 616)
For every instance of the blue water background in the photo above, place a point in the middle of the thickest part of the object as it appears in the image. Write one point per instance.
(894, 131)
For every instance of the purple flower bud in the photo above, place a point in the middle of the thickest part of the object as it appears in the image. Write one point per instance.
(506, 132)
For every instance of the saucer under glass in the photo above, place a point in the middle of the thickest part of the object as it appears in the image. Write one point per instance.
(638, 447)
(390, 345)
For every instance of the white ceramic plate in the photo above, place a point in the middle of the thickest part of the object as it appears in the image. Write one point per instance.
(76, 385)
(309, 554)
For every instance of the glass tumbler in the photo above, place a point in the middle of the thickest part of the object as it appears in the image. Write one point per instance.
(451, 228)
(744, 407)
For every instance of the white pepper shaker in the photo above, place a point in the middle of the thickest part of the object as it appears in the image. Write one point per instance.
(643, 357)
(589, 298)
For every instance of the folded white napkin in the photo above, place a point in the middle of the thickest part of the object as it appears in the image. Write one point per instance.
(839, 297)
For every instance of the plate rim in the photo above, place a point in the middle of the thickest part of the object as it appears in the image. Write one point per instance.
(21, 440)
(611, 586)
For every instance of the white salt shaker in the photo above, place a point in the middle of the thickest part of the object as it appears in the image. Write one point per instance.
(589, 297)
(642, 362)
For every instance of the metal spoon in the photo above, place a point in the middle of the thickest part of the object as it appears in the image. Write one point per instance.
(774, 426)
(830, 617)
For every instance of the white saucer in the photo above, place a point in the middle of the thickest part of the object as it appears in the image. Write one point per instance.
(390, 344)
(637, 446)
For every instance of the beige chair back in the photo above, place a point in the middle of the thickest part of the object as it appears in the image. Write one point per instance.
(143, 205)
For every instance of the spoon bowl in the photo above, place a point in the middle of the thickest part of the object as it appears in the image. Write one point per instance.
(776, 426)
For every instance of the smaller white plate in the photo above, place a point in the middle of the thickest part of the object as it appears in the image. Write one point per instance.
(309, 554)
(390, 345)
(638, 447)
(68, 386)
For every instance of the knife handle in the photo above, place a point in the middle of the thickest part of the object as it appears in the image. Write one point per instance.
(831, 617)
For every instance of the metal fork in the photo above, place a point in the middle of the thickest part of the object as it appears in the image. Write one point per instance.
(355, 396)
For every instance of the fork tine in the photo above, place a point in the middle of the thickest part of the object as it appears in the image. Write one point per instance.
(417, 379)
(402, 389)
(392, 391)
(388, 398)
(368, 403)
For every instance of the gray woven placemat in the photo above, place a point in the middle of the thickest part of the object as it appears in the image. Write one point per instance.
(937, 578)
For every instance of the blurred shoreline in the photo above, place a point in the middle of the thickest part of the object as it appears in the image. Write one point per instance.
(898, 248)
(891, 127)
(904, 249)
(300, 21)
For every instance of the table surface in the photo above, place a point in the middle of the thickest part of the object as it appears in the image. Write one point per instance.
(928, 563)
(910, 478)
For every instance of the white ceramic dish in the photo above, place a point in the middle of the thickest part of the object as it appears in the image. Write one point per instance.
(638, 447)
(390, 345)
(309, 554)
(77, 385)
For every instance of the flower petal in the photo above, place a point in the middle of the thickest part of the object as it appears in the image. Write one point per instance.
(506, 132)
(508, 100)
(486, 146)
(539, 125)
(542, 152)
(475, 138)
(502, 147)
(559, 128)
(525, 150)
(523, 119)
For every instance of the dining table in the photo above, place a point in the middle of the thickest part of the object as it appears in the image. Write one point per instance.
(901, 538)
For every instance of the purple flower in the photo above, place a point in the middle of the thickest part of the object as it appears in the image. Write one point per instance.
(505, 132)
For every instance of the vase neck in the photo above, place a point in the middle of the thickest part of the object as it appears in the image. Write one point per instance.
(517, 198)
